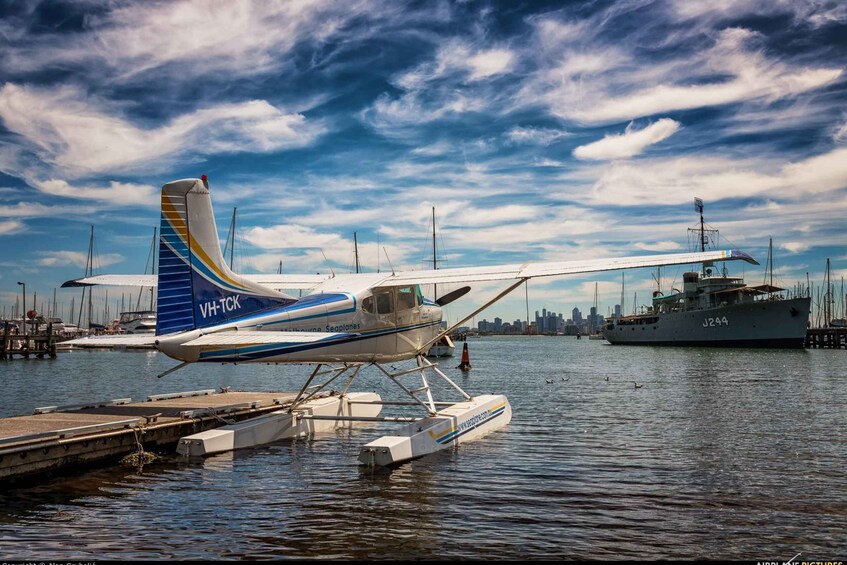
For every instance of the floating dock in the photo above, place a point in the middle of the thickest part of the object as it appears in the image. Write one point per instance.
(56, 438)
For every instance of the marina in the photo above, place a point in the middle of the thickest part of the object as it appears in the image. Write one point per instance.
(290, 388)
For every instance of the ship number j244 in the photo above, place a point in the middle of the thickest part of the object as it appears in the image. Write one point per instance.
(712, 322)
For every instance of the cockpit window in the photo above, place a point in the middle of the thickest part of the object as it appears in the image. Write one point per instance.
(384, 303)
(405, 298)
(368, 304)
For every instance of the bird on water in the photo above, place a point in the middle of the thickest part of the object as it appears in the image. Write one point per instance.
(637, 385)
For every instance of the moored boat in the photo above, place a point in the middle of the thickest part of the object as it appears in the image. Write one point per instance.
(716, 310)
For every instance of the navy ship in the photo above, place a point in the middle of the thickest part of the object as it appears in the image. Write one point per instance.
(716, 310)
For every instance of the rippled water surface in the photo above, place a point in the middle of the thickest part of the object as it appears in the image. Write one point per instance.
(723, 454)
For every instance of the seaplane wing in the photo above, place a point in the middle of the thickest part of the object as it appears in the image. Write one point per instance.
(556, 268)
(276, 282)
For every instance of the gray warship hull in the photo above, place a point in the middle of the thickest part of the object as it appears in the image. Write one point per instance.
(762, 323)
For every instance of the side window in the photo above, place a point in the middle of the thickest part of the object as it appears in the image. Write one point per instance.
(368, 304)
(405, 298)
(418, 295)
(384, 303)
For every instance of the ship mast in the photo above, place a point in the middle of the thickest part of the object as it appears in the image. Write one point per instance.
(703, 236)
(769, 267)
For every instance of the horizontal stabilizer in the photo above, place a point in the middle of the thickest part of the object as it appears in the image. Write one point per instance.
(126, 340)
(276, 282)
(113, 280)
(259, 338)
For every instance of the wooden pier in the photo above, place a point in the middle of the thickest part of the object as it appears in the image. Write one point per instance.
(61, 438)
(826, 338)
(39, 344)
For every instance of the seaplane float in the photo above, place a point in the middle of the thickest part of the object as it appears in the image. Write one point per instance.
(209, 314)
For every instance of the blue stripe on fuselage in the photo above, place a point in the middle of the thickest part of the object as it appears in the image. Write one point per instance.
(269, 350)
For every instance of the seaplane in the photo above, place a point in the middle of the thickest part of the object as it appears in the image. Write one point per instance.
(209, 314)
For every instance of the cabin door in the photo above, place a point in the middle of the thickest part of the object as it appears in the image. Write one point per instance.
(386, 322)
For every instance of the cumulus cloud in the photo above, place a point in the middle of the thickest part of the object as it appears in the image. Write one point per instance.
(187, 38)
(658, 246)
(489, 63)
(117, 193)
(78, 135)
(454, 82)
(11, 227)
(38, 210)
(794, 246)
(289, 236)
(604, 87)
(814, 12)
(679, 179)
(393, 115)
(630, 143)
(458, 59)
(531, 135)
(77, 258)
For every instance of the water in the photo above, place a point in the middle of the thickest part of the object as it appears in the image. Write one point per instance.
(723, 454)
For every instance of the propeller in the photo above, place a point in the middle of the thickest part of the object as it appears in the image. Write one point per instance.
(451, 296)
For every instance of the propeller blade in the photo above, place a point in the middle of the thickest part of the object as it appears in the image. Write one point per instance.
(451, 296)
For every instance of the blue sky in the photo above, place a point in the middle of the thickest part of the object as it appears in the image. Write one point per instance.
(538, 131)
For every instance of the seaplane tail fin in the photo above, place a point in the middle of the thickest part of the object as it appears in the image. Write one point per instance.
(196, 288)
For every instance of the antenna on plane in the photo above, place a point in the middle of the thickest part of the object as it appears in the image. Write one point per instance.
(327, 263)
(389, 259)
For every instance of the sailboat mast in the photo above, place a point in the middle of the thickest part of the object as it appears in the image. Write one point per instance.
(89, 270)
(827, 299)
(153, 253)
(434, 260)
(356, 250)
(232, 240)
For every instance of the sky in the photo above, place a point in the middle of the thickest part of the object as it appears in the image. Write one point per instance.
(537, 131)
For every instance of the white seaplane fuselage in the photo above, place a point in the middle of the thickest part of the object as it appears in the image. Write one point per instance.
(356, 324)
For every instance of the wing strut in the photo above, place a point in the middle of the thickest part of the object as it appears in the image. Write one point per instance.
(338, 371)
(428, 344)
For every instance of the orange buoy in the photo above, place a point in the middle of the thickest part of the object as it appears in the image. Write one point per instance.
(465, 365)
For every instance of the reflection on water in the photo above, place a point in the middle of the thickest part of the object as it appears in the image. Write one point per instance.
(730, 454)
